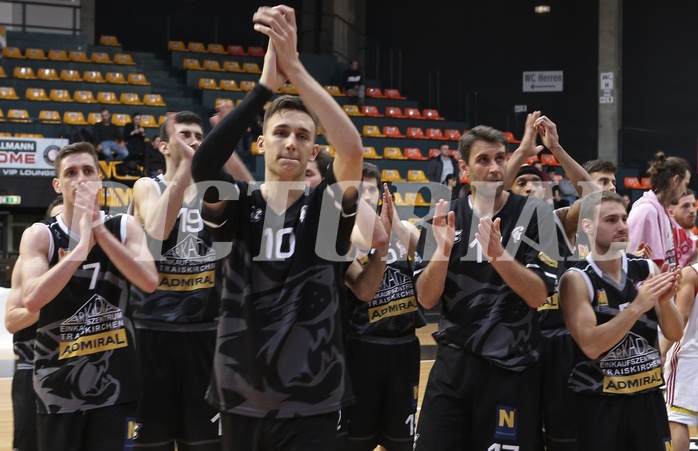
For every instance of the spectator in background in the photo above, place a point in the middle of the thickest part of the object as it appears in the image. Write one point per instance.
(108, 138)
(550, 172)
(626, 201)
(154, 161)
(558, 201)
(316, 169)
(442, 165)
(567, 190)
(134, 138)
(683, 214)
(452, 183)
(353, 81)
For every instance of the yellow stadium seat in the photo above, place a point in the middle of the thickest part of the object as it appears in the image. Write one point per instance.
(70, 75)
(29, 135)
(18, 115)
(196, 47)
(391, 175)
(25, 73)
(74, 118)
(232, 66)
(372, 131)
(93, 76)
(35, 54)
(107, 97)
(334, 90)
(120, 119)
(153, 100)
(221, 101)
(84, 96)
(37, 94)
(229, 85)
(130, 98)
(2, 72)
(352, 110)
(415, 199)
(371, 154)
(416, 175)
(60, 95)
(191, 64)
(58, 55)
(288, 88)
(78, 56)
(208, 83)
(213, 65)
(148, 121)
(101, 58)
(176, 46)
(329, 150)
(8, 93)
(94, 117)
(124, 59)
(109, 40)
(138, 79)
(251, 68)
(47, 73)
(393, 153)
(49, 117)
(12, 52)
(247, 85)
(216, 48)
(116, 78)
(2, 118)
(398, 200)
(254, 149)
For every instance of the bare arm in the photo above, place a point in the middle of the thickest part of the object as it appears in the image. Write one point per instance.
(527, 149)
(432, 280)
(684, 300)
(669, 316)
(17, 316)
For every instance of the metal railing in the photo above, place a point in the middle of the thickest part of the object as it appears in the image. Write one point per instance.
(43, 17)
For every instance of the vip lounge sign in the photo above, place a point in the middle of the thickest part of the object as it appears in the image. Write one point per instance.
(28, 156)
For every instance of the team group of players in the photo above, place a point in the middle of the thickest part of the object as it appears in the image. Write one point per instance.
(227, 314)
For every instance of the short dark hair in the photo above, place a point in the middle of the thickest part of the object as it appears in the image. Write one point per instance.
(288, 102)
(593, 166)
(371, 170)
(592, 200)
(479, 133)
(181, 117)
(663, 169)
(75, 148)
(323, 161)
(56, 202)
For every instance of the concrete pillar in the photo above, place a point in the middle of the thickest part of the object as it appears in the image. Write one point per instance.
(610, 78)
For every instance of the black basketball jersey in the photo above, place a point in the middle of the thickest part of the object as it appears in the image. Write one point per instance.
(185, 298)
(479, 312)
(23, 347)
(633, 365)
(85, 347)
(279, 351)
(394, 310)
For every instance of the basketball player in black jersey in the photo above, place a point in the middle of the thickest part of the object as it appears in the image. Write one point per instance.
(280, 375)
(75, 271)
(613, 304)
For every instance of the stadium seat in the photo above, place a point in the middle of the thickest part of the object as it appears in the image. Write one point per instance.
(416, 175)
(148, 121)
(413, 113)
(452, 134)
(375, 93)
(93, 76)
(18, 115)
(208, 83)
(47, 73)
(548, 159)
(232, 66)
(138, 79)
(255, 51)
(36, 94)
(352, 110)
(35, 54)
(413, 153)
(391, 175)
(371, 154)
(415, 199)
(58, 55)
(216, 48)
(247, 85)
(109, 40)
(371, 110)
(130, 98)
(288, 88)
(415, 133)
(393, 111)
(251, 68)
(254, 149)
(2, 118)
(435, 133)
(70, 75)
(24, 73)
(213, 65)
(236, 50)
(29, 135)
(393, 153)
(510, 138)
(153, 100)
(101, 58)
(229, 85)
(191, 64)
(433, 153)
(176, 46)
(398, 200)
(108, 97)
(120, 119)
(432, 114)
(2, 72)
(49, 117)
(81, 96)
(94, 117)
(632, 183)
(116, 78)
(392, 93)
(8, 93)
(124, 58)
(645, 183)
(392, 131)
(334, 90)
(197, 47)
(60, 95)
(78, 56)
(372, 131)
(12, 52)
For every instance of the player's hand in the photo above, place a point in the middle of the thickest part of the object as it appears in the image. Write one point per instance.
(279, 23)
(490, 238)
(444, 230)
(643, 250)
(548, 132)
(528, 142)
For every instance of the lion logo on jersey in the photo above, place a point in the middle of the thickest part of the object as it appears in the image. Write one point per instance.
(517, 233)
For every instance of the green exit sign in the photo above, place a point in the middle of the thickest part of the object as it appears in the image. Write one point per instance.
(10, 200)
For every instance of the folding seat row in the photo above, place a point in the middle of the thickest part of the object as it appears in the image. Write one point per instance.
(215, 65)
(226, 85)
(412, 133)
(394, 153)
(395, 112)
(199, 47)
(83, 96)
(90, 76)
(388, 93)
(78, 56)
(76, 118)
